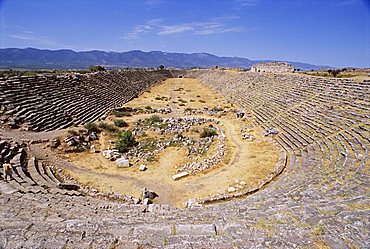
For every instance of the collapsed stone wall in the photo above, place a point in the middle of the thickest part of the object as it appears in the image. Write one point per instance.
(48, 102)
(272, 67)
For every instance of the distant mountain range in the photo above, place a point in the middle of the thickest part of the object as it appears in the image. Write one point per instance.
(31, 58)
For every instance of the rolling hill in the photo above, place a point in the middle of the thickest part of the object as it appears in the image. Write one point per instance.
(31, 58)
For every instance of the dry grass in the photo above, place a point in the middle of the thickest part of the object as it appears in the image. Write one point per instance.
(359, 76)
(246, 161)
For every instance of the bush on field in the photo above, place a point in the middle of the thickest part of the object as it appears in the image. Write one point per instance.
(207, 132)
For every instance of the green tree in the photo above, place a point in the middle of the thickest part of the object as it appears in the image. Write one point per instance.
(335, 72)
(126, 142)
(96, 68)
(120, 123)
(207, 132)
(91, 127)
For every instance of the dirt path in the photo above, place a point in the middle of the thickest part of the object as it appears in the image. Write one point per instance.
(244, 161)
(176, 111)
(19, 135)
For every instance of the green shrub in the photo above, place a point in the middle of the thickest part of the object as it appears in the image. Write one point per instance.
(218, 109)
(152, 158)
(96, 68)
(120, 114)
(91, 127)
(148, 107)
(120, 123)
(108, 127)
(117, 113)
(126, 142)
(154, 119)
(207, 132)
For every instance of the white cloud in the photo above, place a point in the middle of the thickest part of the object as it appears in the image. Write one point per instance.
(157, 26)
(37, 40)
(30, 36)
(247, 3)
(173, 29)
(211, 31)
(153, 2)
(198, 28)
(137, 31)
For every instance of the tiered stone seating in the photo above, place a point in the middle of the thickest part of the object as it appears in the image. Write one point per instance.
(30, 176)
(324, 127)
(48, 102)
(321, 200)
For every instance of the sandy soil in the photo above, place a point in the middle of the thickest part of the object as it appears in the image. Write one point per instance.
(244, 161)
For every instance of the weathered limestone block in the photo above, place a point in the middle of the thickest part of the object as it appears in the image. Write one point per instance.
(180, 175)
(198, 229)
(123, 163)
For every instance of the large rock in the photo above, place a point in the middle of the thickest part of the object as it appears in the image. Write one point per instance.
(148, 194)
(54, 143)
(68, 186)
(123, 163)
(180, 175)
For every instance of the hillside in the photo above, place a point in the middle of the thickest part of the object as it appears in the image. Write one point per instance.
(31, 58)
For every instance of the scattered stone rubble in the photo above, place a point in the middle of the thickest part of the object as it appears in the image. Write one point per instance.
(135, 111)
(270, 131)
(174, 126)
(78, 142)
(248, 137)
(112, 154)
(206, 111)
(210, 162)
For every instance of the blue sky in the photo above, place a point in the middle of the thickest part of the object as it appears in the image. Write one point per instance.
(325, 32)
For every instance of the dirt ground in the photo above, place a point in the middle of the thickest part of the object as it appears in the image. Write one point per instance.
(247, 161)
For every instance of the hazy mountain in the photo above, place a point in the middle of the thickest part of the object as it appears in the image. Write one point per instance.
(32, 58)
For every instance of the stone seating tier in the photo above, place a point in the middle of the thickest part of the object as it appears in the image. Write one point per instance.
(321, 198)
(48, 102)
(29, 175)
